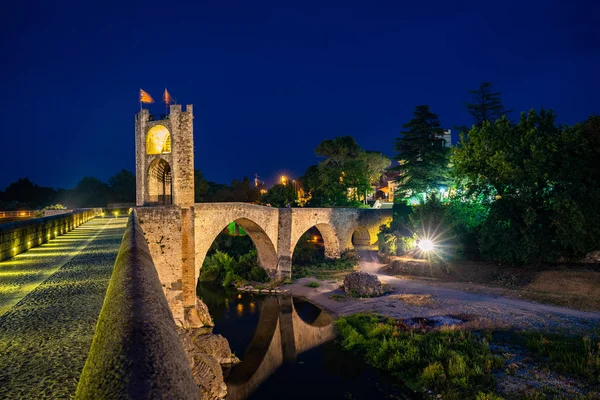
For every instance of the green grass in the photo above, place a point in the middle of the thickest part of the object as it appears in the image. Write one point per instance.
(454, 364)
(579, 356)
(313, 284)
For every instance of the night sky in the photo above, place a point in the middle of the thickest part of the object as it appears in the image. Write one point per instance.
(269, 80)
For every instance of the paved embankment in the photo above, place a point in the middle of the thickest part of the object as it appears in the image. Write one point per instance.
(51, 297)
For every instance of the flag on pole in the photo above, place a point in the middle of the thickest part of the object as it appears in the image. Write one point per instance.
(145, 97)
(167, 97)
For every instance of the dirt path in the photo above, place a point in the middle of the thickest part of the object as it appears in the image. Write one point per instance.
(481, 309)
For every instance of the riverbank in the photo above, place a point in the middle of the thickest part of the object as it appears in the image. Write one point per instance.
(509, 322)
(413, 298)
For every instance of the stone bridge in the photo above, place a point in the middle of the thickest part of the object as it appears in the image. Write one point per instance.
(281, 335)
(180, 237)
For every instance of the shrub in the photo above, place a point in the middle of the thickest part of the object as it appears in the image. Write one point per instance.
(313, 284)
(454, 364)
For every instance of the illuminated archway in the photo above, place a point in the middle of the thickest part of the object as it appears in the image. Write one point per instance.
(361, 237)
(159, 182)
(267, 256)
(158, 140)
(330, 240)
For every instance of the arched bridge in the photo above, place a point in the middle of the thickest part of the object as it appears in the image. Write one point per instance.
(179, 238)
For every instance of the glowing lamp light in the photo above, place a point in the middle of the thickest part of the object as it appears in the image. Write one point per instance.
(425, 245)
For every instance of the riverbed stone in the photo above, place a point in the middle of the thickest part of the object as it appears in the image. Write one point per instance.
(363, 284)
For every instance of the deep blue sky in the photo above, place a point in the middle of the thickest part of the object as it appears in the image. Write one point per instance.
(270, 79)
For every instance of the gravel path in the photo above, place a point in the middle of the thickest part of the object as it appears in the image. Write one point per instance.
(45, 337)
(484, 310)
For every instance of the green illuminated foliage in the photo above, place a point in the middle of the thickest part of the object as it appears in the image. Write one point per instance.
(422, 155)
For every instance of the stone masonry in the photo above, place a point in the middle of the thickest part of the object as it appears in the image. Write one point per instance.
(179, 233)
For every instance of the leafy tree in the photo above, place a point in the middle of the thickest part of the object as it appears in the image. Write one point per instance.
(25, 194)
(486, 105)
(89, 192)
(375, 165)
(122, 185)
(201, 187)
(542, 183)
(280, 195)
(345, 172)
(422, 155)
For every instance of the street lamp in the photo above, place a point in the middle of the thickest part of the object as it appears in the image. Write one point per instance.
(283, 179)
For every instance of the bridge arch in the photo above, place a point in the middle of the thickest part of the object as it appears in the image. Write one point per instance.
(158, 140)
(265, 249)
(159, 182)
(330, 240)
(361, 236)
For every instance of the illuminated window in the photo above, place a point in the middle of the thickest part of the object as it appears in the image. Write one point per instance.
(158, 140)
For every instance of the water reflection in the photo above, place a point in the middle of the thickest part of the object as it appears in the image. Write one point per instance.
(287, 350)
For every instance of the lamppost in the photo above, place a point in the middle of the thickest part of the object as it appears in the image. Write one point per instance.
(283, 179)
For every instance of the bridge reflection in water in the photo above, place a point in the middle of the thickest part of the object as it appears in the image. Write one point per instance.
(265, 332)
(281, 335)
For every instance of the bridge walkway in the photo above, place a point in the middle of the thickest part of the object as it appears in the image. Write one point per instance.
(50, 299)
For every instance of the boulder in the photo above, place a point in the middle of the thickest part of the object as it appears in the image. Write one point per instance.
(363, 284)
(593, 257)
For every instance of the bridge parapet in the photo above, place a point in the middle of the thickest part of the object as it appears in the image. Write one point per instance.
(19, 236)
(136, 353)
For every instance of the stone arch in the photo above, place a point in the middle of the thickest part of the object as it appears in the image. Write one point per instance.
(361, 236)
(158, 140)
(267, 255)
(330, 240)
(159, 182)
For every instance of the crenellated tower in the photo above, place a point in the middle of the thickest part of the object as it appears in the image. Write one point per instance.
(164, 158)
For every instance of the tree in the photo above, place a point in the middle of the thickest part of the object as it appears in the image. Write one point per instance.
(89, 192)
(375, 165)
(25, 194)
(542, 183)
(201, 189)
(122, 185)
(486, 105)
(422, 155)
(280, 195)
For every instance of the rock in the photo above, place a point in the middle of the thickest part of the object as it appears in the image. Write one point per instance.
(363, 284)
(217, 347)
(197, 316)
(592, 258)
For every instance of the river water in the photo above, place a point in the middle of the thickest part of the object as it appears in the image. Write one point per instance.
(288, 350)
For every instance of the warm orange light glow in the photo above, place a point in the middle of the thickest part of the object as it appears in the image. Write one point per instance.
(283, 179)
(158, 140)
(240, 309)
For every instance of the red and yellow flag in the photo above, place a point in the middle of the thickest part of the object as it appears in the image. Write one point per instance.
(167, 97)
(145, 97)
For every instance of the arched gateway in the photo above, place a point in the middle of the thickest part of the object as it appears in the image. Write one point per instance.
(179, 232)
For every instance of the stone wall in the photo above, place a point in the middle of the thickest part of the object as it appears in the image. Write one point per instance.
(49, 213)
(19, 236)
(136, 352)
(179, 239)
(162, 229)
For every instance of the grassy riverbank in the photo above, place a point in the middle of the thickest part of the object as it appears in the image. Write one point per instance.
(457, 364)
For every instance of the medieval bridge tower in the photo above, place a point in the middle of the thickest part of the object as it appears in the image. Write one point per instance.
(164, 158)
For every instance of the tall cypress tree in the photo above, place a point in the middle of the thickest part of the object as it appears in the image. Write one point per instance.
(422, 155)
